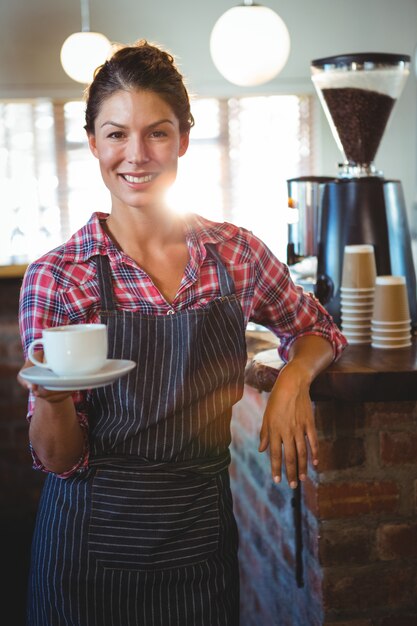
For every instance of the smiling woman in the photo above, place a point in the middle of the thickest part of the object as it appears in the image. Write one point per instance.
(136, 521)
(234, 144)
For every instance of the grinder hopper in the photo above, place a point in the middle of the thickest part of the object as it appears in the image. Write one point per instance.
(358, 93)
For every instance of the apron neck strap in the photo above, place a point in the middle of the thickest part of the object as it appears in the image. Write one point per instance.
(227, 286)
(105, 283)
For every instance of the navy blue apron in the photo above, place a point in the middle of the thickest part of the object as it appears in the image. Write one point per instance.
(146, 536)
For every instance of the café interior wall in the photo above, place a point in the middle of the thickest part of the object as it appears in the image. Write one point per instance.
(32, 34)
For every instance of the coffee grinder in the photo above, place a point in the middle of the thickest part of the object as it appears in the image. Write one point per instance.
(358, 93)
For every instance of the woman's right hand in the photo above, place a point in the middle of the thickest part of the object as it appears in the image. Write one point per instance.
(54, 429)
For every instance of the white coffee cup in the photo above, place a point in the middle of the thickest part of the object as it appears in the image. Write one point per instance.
(72, 350)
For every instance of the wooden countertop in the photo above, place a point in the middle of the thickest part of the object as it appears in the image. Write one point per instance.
(362, 374)
(12, 271)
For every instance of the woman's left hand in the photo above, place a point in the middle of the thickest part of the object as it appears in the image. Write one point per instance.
(288, 426)
(37, 390)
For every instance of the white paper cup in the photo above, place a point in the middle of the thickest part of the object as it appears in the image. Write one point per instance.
(391, 325)
(391, 299)
(363, 338)
(361, 333)
(72, 350)
(390, 341)
(389, 347)
(390, 337)
(364, 291)
(355, 326)
(356, 317)
(357, 302)
(357, 340)
(360, 310)
(359, 267)
(391, 332)
(357, 295)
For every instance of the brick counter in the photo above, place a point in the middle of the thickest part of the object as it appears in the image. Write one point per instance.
(355, 561)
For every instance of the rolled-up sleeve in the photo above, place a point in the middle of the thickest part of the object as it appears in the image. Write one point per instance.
(286, 309)
(40, 307)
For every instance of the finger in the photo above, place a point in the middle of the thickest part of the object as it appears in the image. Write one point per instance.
(52, 396)
(302, 456)
(26, 365)
(263, 437)
(290, 454)
(39, 358)
(275, 446)
(313, 442)
(26, 384)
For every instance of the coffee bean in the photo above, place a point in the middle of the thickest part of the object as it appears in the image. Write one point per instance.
(360, 117)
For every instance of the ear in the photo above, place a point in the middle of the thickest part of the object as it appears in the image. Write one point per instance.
(92, 143)
(184, 143)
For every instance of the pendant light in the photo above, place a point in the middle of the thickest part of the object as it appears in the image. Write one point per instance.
(249, 44)
(83, 52)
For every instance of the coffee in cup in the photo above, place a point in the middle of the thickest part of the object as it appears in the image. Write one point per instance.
(72, 350)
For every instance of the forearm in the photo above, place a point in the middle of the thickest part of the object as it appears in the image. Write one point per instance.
(56, 435)
(288, 419)
(310, 355)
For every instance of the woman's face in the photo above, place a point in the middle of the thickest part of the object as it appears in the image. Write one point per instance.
(137, 142)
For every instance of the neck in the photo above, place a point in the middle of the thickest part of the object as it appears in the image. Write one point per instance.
(135, 229)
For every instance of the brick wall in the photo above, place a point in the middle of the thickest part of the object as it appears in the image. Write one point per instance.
(359, 528)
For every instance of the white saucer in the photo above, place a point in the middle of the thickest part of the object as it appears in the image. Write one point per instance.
(112, 370)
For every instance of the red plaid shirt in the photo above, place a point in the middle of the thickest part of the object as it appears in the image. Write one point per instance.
(61, 288)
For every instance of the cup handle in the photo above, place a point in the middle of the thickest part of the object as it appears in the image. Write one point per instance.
(31, 354)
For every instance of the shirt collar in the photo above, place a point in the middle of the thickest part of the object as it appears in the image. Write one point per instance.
(200, 231)
(89, 241)
(207, 230)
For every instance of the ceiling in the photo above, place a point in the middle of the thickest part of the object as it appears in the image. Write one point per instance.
(32, 33)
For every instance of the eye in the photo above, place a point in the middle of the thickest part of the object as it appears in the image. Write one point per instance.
(116, 134)
(158, 134)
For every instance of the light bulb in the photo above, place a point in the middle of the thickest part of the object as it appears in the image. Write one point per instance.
(82, 53)
(249, 45)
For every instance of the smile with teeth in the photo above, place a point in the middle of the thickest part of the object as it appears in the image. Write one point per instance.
(146, 178)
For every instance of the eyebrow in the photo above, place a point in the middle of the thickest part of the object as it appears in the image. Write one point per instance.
(157, 123)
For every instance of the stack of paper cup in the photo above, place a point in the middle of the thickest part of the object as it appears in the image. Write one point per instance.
(357, 292)
(391, 323)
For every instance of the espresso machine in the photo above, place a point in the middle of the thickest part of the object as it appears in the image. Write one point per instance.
(358, 93)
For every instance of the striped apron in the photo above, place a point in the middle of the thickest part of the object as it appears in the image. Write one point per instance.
(146, 536)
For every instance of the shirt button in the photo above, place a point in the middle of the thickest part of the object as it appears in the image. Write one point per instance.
(171, 312)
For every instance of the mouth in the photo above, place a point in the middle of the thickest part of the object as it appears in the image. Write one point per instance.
(137, 180)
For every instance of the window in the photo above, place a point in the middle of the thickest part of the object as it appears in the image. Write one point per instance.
(28, 181)
(241, 153)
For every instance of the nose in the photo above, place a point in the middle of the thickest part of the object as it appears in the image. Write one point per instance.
(137, 150)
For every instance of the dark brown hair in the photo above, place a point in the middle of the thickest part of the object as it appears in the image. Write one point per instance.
(139, 66)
